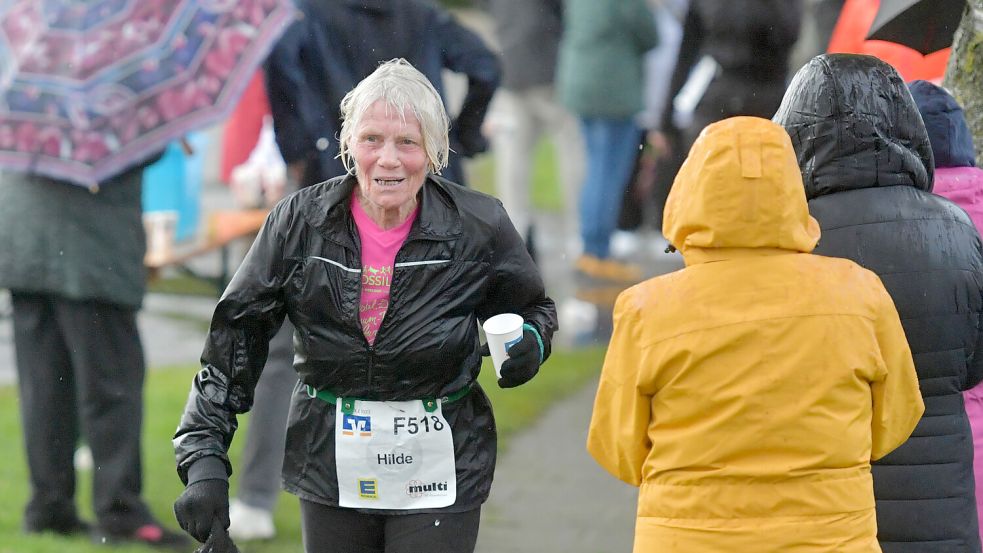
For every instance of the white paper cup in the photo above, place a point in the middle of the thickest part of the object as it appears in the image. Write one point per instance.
(502, 332)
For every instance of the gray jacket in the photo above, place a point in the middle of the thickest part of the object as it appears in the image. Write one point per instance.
(60, 238)
(528, 33)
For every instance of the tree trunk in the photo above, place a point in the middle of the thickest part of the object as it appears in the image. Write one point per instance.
(964, 74)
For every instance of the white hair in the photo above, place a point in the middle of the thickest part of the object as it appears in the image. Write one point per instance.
(403, 87)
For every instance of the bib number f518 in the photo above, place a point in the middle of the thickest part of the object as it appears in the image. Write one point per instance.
(394, 455)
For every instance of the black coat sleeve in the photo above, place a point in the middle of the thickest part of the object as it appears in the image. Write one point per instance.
(464, 52)
(517, 286)
(247, 316)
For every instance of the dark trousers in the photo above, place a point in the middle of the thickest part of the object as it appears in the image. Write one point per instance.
(80, 371)
(338, 530)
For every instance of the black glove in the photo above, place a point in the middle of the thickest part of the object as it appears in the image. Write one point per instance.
(219, 541)
(523, 361)
(203, 506)
(467, 140)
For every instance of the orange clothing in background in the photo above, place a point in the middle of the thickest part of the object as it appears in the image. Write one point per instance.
(849, 37)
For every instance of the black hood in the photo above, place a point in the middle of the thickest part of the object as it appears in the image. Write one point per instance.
(855, 125)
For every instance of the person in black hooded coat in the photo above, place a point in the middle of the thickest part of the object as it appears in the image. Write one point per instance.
(867, 168)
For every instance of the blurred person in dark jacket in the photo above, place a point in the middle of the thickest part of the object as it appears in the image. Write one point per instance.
(867, 167)
(732, 60)
(337, 43)
(385, 273)
(746, 44)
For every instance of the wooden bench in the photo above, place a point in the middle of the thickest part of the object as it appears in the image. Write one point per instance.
(222, 229)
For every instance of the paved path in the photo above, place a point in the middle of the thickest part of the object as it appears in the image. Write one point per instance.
(549, 495)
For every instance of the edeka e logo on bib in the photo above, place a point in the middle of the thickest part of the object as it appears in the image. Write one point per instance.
(362, 424)
(368, 488)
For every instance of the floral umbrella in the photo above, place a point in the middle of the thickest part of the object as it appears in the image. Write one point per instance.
(89, 88)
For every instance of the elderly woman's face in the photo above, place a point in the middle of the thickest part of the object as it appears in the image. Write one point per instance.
(390, 160)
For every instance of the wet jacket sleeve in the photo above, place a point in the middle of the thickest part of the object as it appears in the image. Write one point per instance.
(897, 399)
(464, 52)
(247, 316)
(618, 436)
(516, 285)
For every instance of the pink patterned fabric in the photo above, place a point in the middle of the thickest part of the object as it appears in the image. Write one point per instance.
(964, 186)
(91, 87)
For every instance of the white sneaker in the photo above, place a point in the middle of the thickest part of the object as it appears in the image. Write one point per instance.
(250, 523)
(625, 244)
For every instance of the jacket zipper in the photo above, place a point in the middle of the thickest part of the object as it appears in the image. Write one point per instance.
(382, 323)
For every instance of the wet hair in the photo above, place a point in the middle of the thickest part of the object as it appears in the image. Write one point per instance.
(403, 88)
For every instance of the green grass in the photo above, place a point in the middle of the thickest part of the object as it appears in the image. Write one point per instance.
(166, 392)
(183, 284)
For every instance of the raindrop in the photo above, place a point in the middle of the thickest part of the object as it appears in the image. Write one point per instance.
(436, 522)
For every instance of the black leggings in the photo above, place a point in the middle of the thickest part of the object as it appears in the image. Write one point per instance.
(339, 530)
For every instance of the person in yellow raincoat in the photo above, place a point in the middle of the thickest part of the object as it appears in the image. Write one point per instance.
(747, 393)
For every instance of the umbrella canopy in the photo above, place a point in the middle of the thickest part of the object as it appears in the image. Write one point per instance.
(91, 87)
(923, 25)
(850, 37)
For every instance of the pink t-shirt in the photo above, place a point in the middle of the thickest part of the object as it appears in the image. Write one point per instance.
(379, 249)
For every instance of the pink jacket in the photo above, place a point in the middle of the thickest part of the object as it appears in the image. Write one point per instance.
(964, 186)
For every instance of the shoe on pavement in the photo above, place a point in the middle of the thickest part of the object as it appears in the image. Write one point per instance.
(608, 269)
(152, 534)
(250, 523)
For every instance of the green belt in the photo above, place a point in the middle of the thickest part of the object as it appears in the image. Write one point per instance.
(348, 404)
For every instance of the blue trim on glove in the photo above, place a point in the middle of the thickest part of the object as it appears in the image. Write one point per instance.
(539, 340)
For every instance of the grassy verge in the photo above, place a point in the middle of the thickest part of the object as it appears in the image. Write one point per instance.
(166, 392)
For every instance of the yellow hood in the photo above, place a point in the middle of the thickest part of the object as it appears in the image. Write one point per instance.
(740, 187)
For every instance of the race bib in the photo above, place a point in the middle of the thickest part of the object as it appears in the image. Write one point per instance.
(394, 455)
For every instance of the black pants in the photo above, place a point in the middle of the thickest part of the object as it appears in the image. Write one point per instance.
(80, 371)
(338, 530)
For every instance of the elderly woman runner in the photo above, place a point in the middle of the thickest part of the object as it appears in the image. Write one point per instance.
(385, 273)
